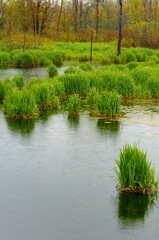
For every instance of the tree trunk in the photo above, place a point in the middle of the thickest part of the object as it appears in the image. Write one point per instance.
(97, 19)
(120, 29)
(58, 22)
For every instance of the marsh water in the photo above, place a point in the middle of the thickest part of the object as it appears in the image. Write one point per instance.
(56, 177)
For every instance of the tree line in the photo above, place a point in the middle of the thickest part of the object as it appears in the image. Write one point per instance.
(75, 20)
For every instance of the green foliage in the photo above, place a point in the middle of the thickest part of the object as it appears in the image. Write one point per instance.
(2, 90)
(153, 86)
(55, 102)
(93, 96)
(131, 65)
(52, 71)
(73, 104)
(42, 96)
(124, 85)
(86, 67)
(141, 75)
(56, 87)
(18, 80)
(75, 83)
(134, 172)
(20, 104)
(72, 70)
(23, 59)
(109, 103)
(4, 58)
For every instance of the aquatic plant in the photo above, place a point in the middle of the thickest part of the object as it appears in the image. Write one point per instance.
(55, 102)
(109, 103)
(75, 83)
(42, 96)
(4, 58)
(18, 80)
(52, 71)
(2, 90)
(20, 104)
(72, 69)
(23, 59)
(93, 96)
(86, 66)
(73, 104)
(134, 172)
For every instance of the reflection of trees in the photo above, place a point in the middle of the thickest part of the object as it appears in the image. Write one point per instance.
(20, 126)
(108, 126)
(133, 207)
(73, 121)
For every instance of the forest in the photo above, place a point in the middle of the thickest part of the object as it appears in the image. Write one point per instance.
(30, 23)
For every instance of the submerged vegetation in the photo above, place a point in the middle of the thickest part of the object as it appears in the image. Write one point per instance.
(134, 171)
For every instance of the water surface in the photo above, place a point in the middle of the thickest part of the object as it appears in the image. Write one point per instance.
(56, 178)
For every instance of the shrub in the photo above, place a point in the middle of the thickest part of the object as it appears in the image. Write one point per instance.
(20, 104)
(73, 104)
(109, 103)
(52, 71)
(134, 173)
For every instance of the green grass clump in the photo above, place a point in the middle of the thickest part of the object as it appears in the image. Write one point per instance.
(2, 90)
(73, 104)
(23, 59)
(141, 75)
(93, 96)
(134, 173)
(86, 67)
(42, 96)
(20, 104)
(72, 70)
(109, 103)
(18, 80)
(4, 58)
(153, 86)
(56, 87)
(131, 65)
(75, 83)
(55, 102)
(52, 71)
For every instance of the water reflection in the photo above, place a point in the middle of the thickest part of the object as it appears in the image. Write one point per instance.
(133, 208)
(20, 126)
(106, 126)
(73, 121)
(46, 114)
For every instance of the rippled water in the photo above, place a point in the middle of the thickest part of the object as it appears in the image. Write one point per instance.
(56, 177)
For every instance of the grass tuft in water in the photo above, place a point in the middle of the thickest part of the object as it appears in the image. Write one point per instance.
(134, 172)
(20, 104)
(109, 103)
(73, 105)
(52, 71)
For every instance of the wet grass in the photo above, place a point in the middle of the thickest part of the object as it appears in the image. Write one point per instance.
(104, 87)
(134, 172)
